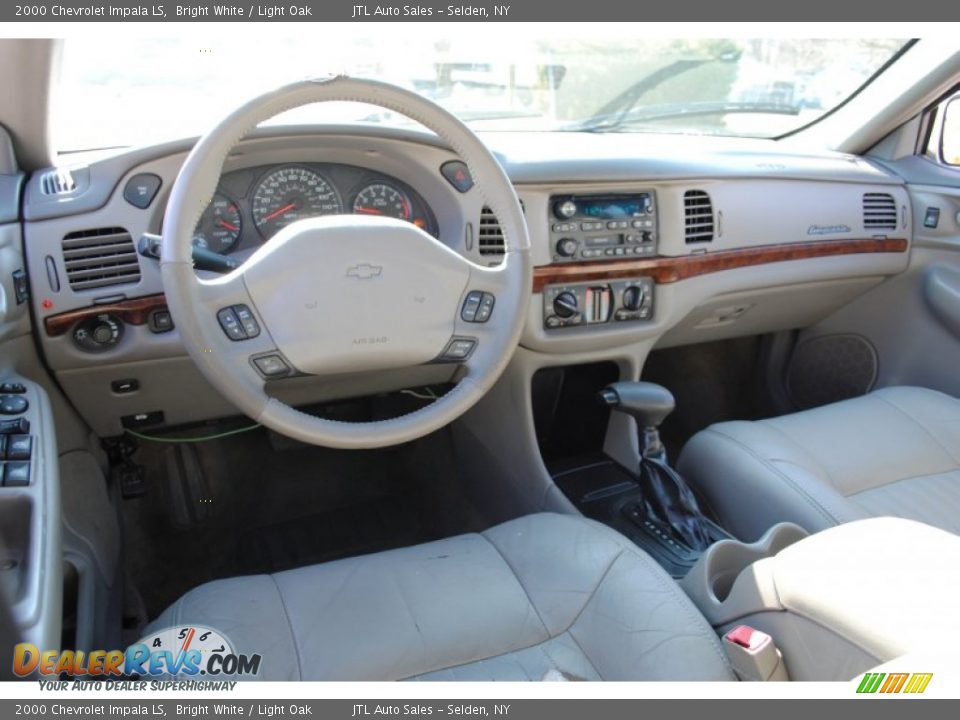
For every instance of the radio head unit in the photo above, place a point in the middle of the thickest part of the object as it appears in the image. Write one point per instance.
(603, 227)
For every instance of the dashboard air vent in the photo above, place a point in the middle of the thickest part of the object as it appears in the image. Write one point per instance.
(490, 238)
(58, 181)
(879, 211)
(698, 215)
(100, 258)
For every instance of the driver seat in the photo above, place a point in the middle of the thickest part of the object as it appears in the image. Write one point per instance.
(525, 600)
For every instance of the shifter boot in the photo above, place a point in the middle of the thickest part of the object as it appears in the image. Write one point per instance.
(670, 501)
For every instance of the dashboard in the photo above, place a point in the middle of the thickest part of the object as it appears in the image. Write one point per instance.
(251, 205)
(658, 242)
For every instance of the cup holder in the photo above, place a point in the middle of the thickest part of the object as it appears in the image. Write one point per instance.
(717, 583)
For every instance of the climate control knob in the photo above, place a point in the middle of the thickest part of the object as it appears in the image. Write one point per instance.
(633, 297)
(567, 247)
(565, 305)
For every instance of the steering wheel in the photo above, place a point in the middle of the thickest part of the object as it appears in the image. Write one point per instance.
(347, 293)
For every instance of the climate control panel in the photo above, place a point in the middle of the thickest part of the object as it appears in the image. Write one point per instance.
(595, 303)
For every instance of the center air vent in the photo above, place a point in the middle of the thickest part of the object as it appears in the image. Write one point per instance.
(698, 214)
(879, 211)
(100, 258)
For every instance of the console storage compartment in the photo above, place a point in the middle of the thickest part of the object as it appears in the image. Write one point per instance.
(839, 602)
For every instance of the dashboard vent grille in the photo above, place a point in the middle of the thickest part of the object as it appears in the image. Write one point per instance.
(490, 236)
(100, 258)
(698, 215)
(879, 211)
(58, 181)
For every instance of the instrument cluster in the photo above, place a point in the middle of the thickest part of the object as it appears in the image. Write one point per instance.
(252, 205)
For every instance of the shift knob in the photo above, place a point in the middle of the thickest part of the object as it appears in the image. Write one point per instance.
(648, 402)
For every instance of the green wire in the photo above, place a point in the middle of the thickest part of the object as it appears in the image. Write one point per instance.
(192, 439)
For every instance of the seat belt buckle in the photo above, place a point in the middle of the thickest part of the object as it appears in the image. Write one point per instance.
(753, 655)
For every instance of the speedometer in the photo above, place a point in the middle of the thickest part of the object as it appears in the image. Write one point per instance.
(289, 194)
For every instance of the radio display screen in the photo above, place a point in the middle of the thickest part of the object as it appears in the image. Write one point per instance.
(613, 208)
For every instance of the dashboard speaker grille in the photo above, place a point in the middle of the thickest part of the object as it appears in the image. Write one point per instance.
(100, 258)
(57, 182)
(698, 216)
(879, 212)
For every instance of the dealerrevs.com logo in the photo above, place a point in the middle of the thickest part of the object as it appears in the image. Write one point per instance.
(173, 652)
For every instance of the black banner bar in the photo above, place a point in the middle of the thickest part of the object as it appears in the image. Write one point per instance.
(699, 11)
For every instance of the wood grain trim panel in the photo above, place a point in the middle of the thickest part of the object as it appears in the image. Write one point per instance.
(673, 269)
(133, 312)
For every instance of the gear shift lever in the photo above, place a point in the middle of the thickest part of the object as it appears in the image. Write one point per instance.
(667, 497)
(649, 404)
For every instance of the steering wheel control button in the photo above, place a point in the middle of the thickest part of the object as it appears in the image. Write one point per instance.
(231, 324)
(247, 320)
(16, 474)
(457, 174)
(13, 388)
(271, 366)
(459, 349)
(19, 447)
(141, 189)
(13, 405)
(238, 322)
(477, 307)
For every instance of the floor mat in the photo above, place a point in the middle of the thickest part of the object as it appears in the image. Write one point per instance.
(251, 509)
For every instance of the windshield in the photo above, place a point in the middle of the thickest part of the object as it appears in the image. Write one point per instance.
(139, 91)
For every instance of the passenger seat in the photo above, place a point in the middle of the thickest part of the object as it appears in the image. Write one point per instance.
(895, 452)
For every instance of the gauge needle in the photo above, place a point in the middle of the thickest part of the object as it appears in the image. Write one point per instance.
(368, 211)
(281, 211)
(228, 226)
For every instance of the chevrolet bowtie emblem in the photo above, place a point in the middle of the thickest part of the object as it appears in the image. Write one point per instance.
(364, 271)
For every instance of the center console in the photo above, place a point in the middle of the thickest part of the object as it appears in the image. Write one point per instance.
(599, 229)
(842, 601)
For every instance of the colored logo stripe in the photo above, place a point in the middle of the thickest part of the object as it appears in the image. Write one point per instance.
(918, 682)
(894, 683)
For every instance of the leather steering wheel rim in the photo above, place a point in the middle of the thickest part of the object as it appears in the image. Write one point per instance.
(228, 365)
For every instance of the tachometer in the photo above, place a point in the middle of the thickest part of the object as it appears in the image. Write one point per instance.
(219, 226)
(289, 194)
(382, 199)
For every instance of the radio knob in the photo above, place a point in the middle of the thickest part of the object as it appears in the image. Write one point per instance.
(633, 297)
(565, 305)
(567, 247)
(565, 209)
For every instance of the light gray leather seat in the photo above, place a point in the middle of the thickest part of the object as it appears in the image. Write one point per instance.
(543, 592)
(895, 451)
